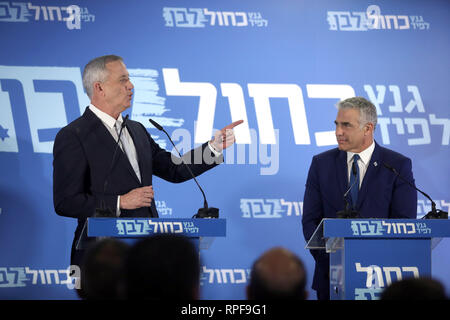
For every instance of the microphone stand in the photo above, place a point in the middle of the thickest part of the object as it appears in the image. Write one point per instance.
(205, 212)
(434, 213)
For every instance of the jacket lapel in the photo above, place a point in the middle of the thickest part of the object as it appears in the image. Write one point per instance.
(139, 150)
(144, 155)
(371, 173)
(97, 127)
(341, 171)
(105, 138)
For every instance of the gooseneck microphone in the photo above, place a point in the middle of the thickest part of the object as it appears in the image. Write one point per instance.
(348, 212)
(205, 212)
(103, 211)
(434, 213)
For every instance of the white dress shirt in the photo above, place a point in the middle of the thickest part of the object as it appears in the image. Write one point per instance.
(109, 123)
(363, 162)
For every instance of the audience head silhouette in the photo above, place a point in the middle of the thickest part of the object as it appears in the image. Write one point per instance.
(277, 274)
(163, 267)
(101, 271)
(415, 289)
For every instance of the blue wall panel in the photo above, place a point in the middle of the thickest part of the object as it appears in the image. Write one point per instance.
(281, 65)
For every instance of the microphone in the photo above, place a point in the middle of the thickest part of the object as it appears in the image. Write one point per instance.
(434, 213)
(205, 212)
(348, 212)
(103, 211)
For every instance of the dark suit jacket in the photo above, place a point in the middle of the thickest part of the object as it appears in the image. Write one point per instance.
(382, 195)
(83, 152)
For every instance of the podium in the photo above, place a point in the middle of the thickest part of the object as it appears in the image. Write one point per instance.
(205, 230)
(367, 255)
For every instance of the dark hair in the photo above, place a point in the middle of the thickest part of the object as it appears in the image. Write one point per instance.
(424, 288)
(163, 267)
(277, 274)
(101, 272)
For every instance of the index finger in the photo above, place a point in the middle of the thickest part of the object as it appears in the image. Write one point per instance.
(234, 124)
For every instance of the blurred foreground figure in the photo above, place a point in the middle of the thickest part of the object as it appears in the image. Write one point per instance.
(415, 289)
(277, 274)
(163, 267)
(102, 273)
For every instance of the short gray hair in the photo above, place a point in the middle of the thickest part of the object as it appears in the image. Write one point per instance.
(95, 71)
(367, 110)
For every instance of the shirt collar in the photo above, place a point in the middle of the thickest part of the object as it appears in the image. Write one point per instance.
(365, 155)
(106, 118)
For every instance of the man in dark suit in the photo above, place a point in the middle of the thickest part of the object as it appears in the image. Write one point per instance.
(85, 177)
(356, 165)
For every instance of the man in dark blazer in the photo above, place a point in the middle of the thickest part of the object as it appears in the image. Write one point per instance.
(381, 193)
(89, 172)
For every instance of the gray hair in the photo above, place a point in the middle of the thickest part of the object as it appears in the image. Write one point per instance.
(95, 71)
(367, 111)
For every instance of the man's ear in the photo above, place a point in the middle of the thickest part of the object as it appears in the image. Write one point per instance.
(98, 87)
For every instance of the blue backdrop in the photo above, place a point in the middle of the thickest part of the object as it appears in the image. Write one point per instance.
(196, 66)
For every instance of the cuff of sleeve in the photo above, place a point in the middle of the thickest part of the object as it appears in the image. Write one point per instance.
(216, 153)
(118, 207)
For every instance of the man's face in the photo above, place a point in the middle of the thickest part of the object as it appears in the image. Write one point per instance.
(349, 135)
(118, 87)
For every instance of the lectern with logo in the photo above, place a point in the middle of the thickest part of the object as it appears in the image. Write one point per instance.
(366, 255)
(203, 230)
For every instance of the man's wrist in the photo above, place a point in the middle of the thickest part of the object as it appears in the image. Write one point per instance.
(213, 150)
(118, 207)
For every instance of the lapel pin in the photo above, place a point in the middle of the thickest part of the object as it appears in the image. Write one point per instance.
(375, 164)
